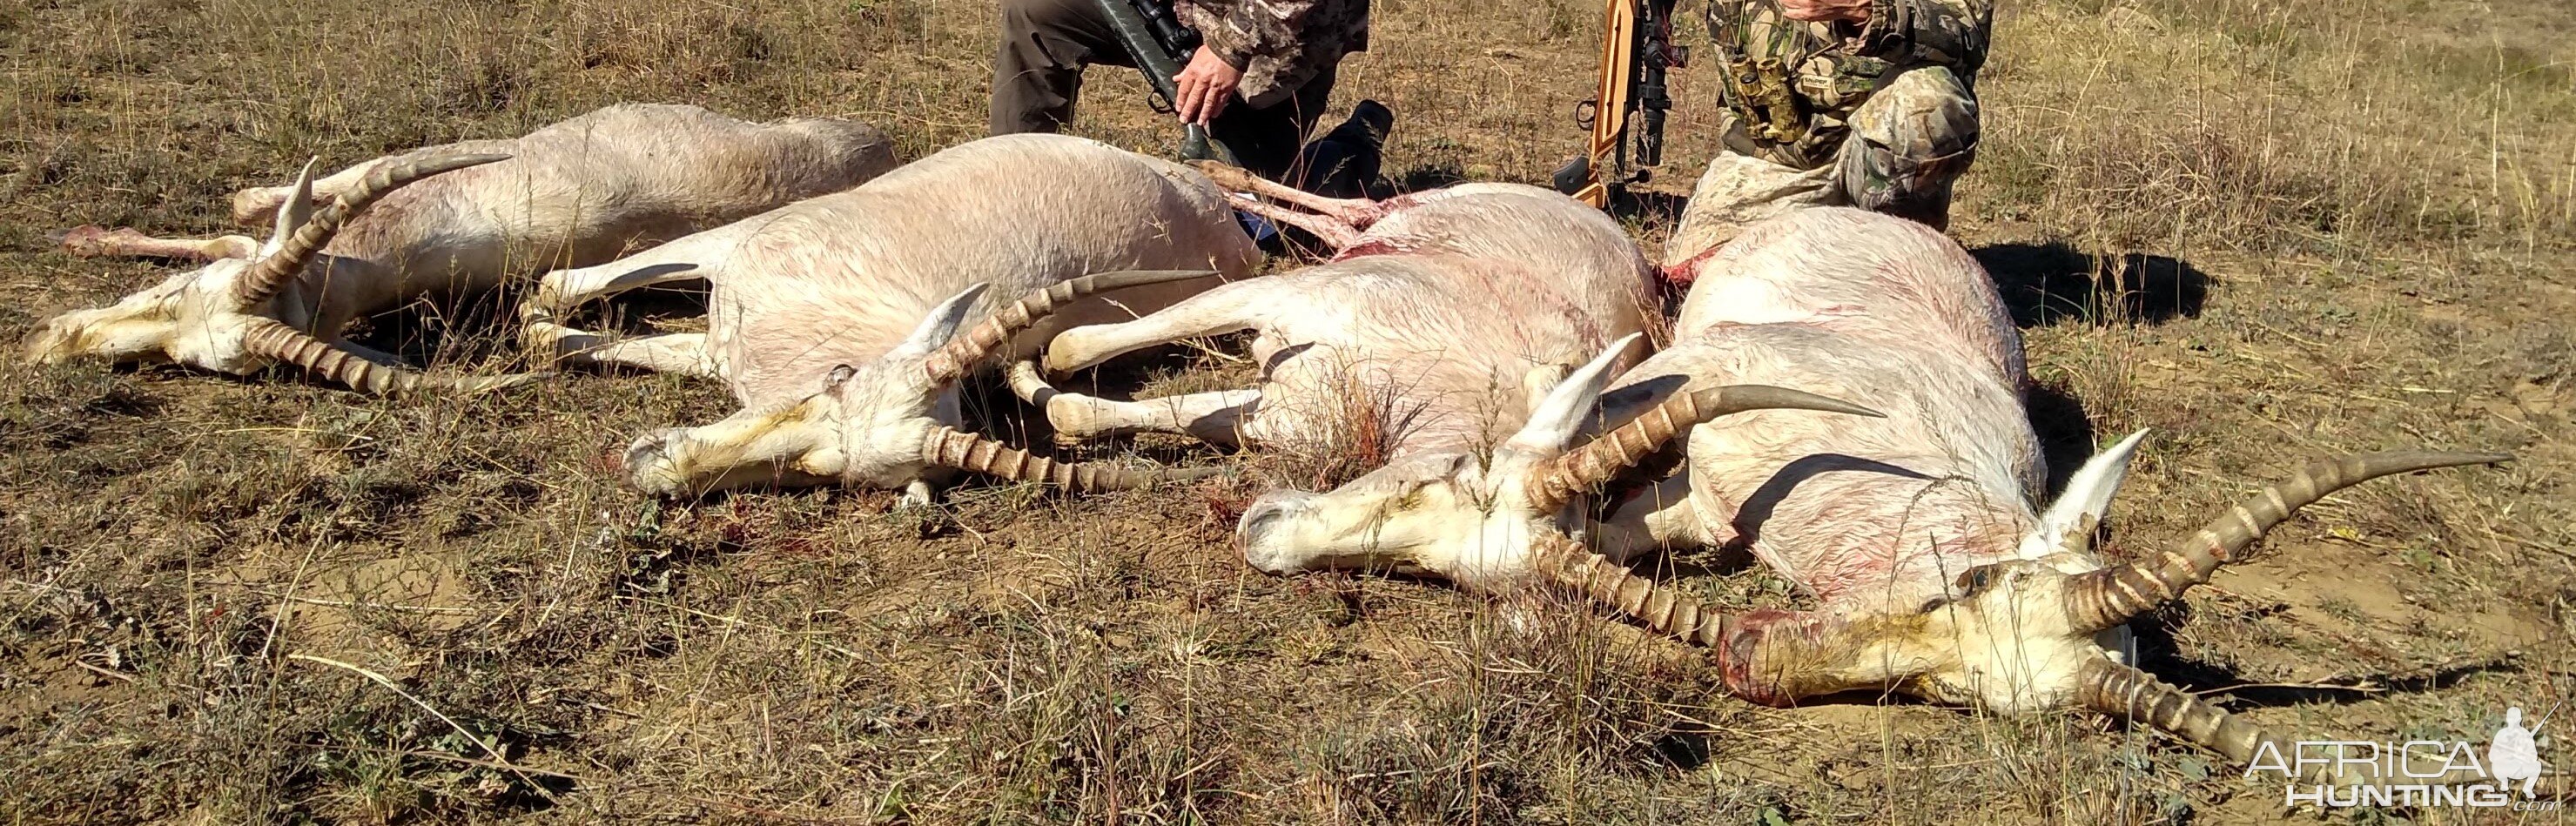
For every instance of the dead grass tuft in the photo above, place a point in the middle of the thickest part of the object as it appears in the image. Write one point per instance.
(1369, 421)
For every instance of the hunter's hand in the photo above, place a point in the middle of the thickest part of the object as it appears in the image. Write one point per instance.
(1812, 11)
(1204, 86)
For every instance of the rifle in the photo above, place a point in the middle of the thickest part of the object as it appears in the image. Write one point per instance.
(1636, 48)
(1159, 44)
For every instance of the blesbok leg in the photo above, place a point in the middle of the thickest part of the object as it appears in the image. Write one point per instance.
(682, 353)
(563, 290)
(1227, 308)
(257, 206)
(694, 257)
(1213, 417)
(1352, 212)
(94, 241)
(1332, 231)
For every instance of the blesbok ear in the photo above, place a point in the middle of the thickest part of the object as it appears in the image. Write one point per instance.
(2068, 524)
(940, 325)
(293, 214)
(1554, 420)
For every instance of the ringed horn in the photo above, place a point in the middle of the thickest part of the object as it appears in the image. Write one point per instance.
(268, 337)
(1598, 461)
(2108, 597)
(2101, 685)
(271, 274)
(960, 357)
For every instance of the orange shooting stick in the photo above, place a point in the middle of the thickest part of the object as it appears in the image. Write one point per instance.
(1636, 48)
(1610, 101)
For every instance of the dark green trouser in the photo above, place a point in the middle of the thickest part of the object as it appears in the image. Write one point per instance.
(1037, 74)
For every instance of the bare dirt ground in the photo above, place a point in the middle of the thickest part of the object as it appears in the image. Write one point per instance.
(2270, 230)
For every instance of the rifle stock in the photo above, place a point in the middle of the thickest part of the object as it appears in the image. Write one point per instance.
(1157, 47)
(1636, 49)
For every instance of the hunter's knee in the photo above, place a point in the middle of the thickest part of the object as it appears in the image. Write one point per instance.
(1911, 139)
(1025, 17)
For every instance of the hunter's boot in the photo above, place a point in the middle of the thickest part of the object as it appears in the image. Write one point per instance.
(1344, 163)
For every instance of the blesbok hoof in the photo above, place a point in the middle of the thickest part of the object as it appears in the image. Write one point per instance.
(84, 241)
(545, 304)
(1071, 416)
(546, 338)
(1073, 421)
(916, 496)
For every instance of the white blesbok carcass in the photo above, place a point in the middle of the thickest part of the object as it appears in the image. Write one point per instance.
(833, 318)
(1452, 314)
(450, 220)
(1936, 575)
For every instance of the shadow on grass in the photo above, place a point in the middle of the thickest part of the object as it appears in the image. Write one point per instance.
(1429, 176)
(2047, 283)
(1650, 208)
(2161, 655)
(2065, 431)
(483, 327)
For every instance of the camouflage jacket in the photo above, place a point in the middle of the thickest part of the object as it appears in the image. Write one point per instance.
(1279, 44)
(1793, 85)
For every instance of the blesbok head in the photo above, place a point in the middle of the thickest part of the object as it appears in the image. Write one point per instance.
(225, 316)
(884, 424)
(2013, 636)
(1472, 518)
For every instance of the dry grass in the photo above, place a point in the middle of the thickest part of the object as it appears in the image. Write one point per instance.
(2267, 229)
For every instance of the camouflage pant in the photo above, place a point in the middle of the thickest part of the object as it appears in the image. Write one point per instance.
(1909, 142)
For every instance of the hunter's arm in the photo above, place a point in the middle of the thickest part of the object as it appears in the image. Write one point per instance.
(1939, 32)
(1279, 44)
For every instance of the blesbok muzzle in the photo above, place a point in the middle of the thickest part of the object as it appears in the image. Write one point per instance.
(1467, 521)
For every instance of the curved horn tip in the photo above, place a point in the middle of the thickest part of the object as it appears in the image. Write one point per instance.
(1153, 477)
(2396, 462)
(479, 385)
(442, 164)
(1122, 279)
(475, 159)
(1757, 396)
(1193, 474)
(1838, 406)
(2429, 459)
